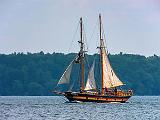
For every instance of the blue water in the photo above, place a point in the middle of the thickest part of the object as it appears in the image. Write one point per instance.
(56, 108)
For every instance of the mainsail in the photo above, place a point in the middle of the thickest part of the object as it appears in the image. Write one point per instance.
(110, 78)
(91, 84)
(65, 78)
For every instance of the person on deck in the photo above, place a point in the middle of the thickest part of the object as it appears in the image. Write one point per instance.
(115, 91)
(106, 90)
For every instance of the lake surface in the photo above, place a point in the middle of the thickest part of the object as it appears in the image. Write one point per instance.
(56, 108)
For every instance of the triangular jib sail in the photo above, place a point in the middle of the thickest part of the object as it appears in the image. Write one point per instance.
(65, 78)
(110, 78)
(91, 84)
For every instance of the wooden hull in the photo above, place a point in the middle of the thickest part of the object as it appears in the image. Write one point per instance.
(85, 97)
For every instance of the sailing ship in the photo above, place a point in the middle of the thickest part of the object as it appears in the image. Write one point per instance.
(109, 81)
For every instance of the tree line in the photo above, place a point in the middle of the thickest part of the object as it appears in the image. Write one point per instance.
(38, 73)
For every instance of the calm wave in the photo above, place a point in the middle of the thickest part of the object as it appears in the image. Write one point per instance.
(56, 108)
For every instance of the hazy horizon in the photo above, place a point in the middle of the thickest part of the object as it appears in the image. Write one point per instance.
(131, 26)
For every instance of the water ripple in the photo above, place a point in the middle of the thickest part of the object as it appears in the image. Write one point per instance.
(56, 108)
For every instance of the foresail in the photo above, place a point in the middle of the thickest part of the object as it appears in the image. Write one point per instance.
(110, 78)
(91, 84)
(65, 78)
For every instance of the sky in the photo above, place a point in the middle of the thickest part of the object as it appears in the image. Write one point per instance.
(130, 26)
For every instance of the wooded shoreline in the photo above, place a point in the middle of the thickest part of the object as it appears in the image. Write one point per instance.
(36, 74)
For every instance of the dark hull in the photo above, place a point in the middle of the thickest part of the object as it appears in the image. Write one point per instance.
(85, 97)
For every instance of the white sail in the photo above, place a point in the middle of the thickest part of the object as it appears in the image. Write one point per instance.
(91, 84)
(110, 78)
(65, 78)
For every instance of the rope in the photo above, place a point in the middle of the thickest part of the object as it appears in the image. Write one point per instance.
(94, 29)
(103, 33)
(73, 38)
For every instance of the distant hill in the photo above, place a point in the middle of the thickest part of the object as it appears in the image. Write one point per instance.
(38, 73)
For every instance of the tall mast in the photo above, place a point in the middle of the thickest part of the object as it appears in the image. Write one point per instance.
(81, 54)
(101, 55)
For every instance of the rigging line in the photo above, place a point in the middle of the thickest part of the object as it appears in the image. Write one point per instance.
(73, 37)
(79, 81)
(89, 65)
(94, 62)
(71, 86)
(86, 48)
(85, 38)
(89, 41)
(74, 80)
(94, 29)
(86, 58)
(103, 33)
(87, 61)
